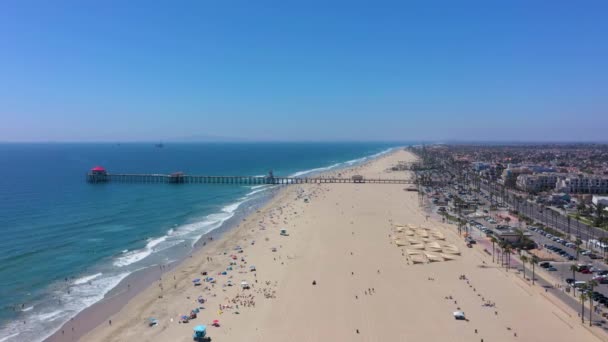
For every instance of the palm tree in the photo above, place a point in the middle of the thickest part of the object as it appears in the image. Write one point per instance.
(508, 251)
(578, 244)
(591, 284)
(599, 214)
(573, 268)
(503, 248)
(580, 208)
(493, 239)
(583, 298)
(524, 260)
(533, 261)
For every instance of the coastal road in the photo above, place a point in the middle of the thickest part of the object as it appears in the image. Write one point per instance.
(548, 217)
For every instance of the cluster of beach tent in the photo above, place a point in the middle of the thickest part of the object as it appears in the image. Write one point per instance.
(200, 331)
(423, 244)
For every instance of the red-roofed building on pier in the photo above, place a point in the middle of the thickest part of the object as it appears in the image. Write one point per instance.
(98, 174)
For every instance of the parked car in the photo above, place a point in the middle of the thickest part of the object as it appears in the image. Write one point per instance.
(579, 283)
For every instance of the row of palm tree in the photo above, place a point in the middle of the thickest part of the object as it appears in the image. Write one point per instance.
(533, 260)
(584, 296)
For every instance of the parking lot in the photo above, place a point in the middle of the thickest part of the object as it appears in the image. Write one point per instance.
(558, 273)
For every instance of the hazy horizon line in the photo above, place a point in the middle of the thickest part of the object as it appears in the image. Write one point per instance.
(414, 141)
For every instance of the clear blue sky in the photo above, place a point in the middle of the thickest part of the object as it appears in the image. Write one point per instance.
(305, 70)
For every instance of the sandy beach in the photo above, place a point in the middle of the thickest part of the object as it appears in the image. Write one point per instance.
(382, 271)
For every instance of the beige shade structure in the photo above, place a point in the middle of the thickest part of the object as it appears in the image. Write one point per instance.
(418, 259)
(413, 252)
(422, 233)
(399, 229)
(400, 243)
(418, 246)
(433, 246)
(451, 249)
(398, 225)
(438, 235)
(409, 232)
(433, 257)
(413, 241)
(447, 256)
(412, 226)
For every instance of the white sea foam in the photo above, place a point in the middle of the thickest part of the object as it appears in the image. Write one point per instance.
(5, 338)
(29, 308)
(346, 163)
(232, 207)
(318, 169)
(86, 279)
(47, 319)
(255, 192)
(48, 316)
(137, 255)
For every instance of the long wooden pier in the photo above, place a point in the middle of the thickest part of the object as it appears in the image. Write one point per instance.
(180, 178)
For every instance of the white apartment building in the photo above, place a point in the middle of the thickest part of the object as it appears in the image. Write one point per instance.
(583, 184)
(537, 182)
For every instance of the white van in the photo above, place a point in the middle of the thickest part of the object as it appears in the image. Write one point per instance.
(579, 283)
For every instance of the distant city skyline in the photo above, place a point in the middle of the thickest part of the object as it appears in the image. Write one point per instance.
(433, 71)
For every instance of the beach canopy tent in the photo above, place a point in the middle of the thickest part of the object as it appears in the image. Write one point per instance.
(284, 232)
(200, 331)
(459, 315)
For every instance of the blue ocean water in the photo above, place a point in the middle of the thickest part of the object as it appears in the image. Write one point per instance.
(65, 243)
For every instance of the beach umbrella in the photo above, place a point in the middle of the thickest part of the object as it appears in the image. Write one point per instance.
(200, 328)
(197, 280)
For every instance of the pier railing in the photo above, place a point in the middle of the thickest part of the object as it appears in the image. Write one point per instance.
(242, 180)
